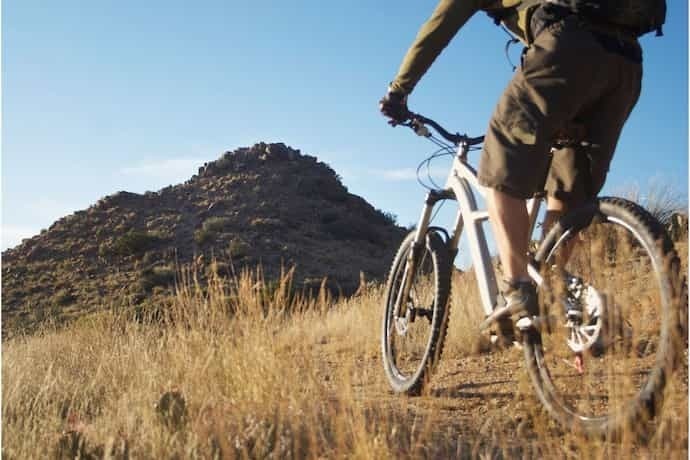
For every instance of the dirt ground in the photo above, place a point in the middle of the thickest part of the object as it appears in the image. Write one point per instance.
(484, 406)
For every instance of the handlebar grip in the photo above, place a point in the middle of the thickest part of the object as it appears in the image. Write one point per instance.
(418, 124)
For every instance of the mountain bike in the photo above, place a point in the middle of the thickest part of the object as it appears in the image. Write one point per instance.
(602, 347)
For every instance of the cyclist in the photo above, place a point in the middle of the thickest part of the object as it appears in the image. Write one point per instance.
(574, 71)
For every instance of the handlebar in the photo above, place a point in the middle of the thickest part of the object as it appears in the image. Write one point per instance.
(418, 124)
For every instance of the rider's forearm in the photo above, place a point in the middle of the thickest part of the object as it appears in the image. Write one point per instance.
(448, 17)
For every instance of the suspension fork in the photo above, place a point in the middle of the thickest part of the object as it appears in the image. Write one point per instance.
(433, 197)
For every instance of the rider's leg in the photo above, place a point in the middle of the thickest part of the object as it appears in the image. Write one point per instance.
(555, 208)
(510, 224)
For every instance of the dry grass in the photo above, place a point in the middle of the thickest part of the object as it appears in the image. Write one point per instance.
(246, 369)
(659, 198)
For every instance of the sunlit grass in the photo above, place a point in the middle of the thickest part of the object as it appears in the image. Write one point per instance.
(256, 370)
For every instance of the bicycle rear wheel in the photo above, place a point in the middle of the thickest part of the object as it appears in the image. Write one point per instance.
(412, 338)
(610, 296)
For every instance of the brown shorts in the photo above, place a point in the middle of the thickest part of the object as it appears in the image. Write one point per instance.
(566, 77)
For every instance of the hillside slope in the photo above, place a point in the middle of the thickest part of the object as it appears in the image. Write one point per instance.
(267, 205)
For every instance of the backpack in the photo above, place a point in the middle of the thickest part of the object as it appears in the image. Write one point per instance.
(639, 16)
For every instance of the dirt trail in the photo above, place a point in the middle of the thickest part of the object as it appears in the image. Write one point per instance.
(485, 404)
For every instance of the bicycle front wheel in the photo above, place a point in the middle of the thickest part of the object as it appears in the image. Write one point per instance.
(413, 334)
(609, 295)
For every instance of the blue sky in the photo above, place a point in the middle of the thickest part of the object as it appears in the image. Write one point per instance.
(101, 96)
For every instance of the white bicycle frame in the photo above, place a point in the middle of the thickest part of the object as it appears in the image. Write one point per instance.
(460, 186)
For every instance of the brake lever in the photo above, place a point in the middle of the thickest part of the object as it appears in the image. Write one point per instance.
(420, 129)
(413, 123)
(418, 126)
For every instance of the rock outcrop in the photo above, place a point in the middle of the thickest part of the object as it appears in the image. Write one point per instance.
(267, 205)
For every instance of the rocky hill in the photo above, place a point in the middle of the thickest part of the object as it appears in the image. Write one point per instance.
(267, 205)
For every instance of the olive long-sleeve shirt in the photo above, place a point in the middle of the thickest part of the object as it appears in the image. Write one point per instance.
(444, 23)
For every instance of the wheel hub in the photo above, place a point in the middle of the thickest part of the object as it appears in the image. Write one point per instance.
(584, 306)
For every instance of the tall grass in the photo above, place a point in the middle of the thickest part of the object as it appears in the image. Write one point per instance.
(660, 199)
(257, 370)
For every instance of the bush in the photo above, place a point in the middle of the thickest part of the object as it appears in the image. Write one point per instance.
(324, 187)
(211, 228)
(238, 248)
(202, 236)
(388, 217)
(64, 297)
(163, 275)
(266, 222)
(216, 224)
(133, 242)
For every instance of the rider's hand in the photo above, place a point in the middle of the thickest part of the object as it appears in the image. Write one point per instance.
(394, 106)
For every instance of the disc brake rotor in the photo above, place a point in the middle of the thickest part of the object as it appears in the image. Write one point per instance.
(584, 318)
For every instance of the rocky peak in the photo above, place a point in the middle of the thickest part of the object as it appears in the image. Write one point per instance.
(266, 205)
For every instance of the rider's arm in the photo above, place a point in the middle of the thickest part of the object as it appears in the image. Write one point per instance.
(448, 17)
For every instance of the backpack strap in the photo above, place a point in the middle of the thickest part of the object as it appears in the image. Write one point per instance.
(500, 14)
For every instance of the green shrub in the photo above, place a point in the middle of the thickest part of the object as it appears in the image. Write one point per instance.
(149, 258)
(201, 236)
(388, 217)
(211, 228)
(133, 242)
(238, 248)
(64, 297)
(104, 250)
(216, 224)
(163, 275)
(266, 222)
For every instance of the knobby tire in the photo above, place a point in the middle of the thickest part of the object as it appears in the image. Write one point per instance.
(414, 382)
(646, 237)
